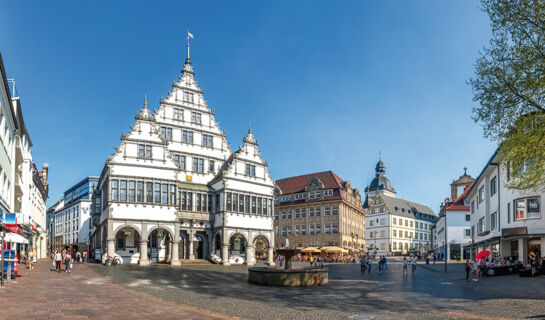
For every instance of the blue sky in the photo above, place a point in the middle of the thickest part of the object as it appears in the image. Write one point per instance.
(325, 85)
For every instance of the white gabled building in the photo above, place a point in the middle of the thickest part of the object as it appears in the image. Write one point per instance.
(395, 226)
(508, 222)
(174, 190)
(453, 228)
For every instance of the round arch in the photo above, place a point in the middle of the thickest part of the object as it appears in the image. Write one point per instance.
(261, 245)
(160, 240)
(138, 229)
(237, 243)
(127, 240)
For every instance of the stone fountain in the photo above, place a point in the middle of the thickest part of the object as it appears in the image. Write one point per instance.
(288, 276)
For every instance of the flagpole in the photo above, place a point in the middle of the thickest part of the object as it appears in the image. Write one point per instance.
(188, 44)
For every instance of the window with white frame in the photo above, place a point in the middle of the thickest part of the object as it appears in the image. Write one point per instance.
(188, 96)
(481, 194)
(493, 220)
(196, 117)
(250, 170)
(178, 114)
(493, 186)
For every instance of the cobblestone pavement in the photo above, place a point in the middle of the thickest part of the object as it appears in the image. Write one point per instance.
(84, 294)
(430, 294)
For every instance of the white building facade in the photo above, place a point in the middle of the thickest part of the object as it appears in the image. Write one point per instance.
(453, 228)
(174, 189)
(507, 222)
(71, 217)
(23, 189)
(395, 226)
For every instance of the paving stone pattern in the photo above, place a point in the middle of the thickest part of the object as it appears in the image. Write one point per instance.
(430, 294)
(218, 292)
(84, 294)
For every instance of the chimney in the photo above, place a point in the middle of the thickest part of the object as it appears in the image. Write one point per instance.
(45, 171)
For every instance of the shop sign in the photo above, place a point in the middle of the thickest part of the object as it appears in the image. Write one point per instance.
(509, 232)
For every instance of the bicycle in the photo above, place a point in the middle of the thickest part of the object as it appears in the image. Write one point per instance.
(112, 261)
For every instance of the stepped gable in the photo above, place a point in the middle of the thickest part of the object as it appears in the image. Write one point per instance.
(143, 131)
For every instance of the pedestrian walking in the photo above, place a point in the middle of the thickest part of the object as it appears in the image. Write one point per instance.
(413, 265)
(31, 259)
(311, 260)
(85, 256)
(384, 263)
(405, 266)
(475, 271)
(67, 261)
(468, 269)
(58, 258)
(369, 264)
(78, 257)
(362, 264)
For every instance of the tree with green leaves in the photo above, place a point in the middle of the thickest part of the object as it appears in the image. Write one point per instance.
(509, 84)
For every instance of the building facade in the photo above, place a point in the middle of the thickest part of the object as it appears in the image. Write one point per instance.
(453, 226)
(70, 219)
(507, 222)
(395, 226)
(174, 189)
(23, 188)
(319, 209)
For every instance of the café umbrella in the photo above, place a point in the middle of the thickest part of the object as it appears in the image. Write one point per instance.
(482, 254)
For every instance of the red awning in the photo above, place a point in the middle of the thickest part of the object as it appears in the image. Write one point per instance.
(14, 228)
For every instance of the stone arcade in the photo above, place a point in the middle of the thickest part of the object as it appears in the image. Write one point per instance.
(174, 190)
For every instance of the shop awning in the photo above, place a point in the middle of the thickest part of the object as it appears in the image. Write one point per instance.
(15, 238)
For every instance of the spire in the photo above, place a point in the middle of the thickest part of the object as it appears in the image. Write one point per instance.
(188, 60)
(144, 112)
(188, 70)
(249, 138)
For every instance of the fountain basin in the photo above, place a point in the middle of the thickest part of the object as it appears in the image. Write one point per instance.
(304, 277)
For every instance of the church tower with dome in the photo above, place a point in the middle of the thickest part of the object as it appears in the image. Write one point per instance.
(394, 226)
(380, 184)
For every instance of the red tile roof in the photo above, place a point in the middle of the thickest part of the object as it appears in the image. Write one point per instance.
(459, 204)
(298, 183)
